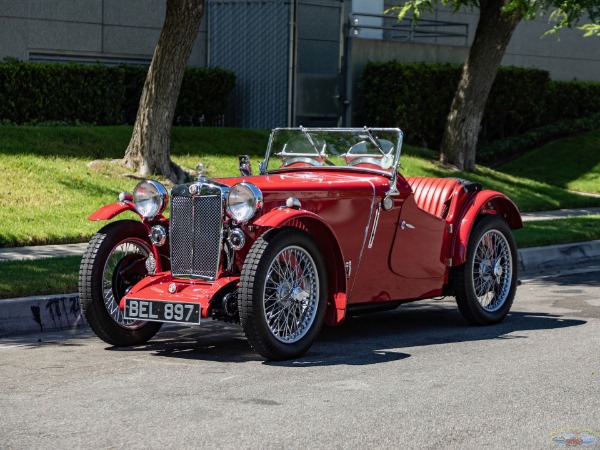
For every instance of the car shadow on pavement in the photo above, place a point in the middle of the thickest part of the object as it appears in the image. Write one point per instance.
(362, 340)
(373, 338)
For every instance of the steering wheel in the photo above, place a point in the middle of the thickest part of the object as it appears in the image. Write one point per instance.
(364, 160)
(301, 161)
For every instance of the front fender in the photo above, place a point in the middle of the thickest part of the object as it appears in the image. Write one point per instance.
(277, 217)
(327, 241)
(114, 209)
(484, 202)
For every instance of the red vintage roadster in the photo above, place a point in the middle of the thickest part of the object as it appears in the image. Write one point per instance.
(329, 227)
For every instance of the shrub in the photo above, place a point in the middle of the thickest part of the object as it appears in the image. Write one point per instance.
(517, 102)
(417, 98)
(414, 97)
(204, 95)
(500, 151)
(34, 93)
(572, 99)
(133, 80)
(31, 93)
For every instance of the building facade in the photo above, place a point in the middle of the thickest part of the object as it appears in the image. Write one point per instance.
(89, 31)
(297, 62)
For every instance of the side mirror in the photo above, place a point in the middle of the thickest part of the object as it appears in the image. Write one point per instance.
(245, 167)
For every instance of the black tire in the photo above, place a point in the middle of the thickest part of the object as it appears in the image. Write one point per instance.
(113, 262)
(485, 285)
(282, 311)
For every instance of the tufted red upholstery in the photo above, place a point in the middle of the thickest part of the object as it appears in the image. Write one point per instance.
(433, 194)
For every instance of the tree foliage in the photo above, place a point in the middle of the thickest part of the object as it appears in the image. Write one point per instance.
(564, 13)
(497, 22)
(590, 29)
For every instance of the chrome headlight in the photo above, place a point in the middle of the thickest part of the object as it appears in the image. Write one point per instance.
(243, 201)
(150, 198)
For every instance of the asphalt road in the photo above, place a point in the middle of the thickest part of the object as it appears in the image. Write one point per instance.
(417, 377)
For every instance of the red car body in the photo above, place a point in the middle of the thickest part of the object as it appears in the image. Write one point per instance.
(378, 249)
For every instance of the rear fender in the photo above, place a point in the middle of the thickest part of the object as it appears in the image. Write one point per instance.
(114, 209)
(482, 203)
(330, 248)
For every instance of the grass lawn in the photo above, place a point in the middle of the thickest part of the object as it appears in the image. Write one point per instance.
(39, 277)
(529, 194)
(48, 190)
(572, 163)
(551, 232)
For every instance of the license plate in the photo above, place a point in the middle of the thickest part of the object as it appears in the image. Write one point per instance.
(156, 311)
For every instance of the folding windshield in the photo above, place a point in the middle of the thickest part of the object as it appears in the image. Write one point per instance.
(375, 149)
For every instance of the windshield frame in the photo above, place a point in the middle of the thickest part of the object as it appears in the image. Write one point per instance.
(392, 172)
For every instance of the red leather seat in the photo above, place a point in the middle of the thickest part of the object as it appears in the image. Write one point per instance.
(433, 194)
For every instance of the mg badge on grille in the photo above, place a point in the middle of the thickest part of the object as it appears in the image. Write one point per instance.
(172, 288)
(193, 189)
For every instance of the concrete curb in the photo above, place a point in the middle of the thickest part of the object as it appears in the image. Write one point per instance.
(539, 261)
(40, 314)
(62, 312)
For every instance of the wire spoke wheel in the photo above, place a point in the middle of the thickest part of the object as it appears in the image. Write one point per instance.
(282, 294)
(291, 294)
(492, 270)
(124, 267)
(114, 262)
(485, 285)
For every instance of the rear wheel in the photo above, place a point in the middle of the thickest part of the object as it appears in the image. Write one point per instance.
(282, 294)
(112, 264)
(485, 285)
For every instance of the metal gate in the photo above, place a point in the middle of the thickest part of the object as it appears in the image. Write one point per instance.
(286, 57)
(319, 43)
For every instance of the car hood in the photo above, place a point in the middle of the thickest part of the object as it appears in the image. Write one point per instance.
(314, 184)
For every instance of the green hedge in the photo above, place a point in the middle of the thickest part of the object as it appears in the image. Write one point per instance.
(414, 97)
(516, 102)
(572, 99)
(34, 93)
(417, 98)
(500, 151)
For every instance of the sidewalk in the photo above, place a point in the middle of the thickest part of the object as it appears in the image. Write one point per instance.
(41, 251)
(61, 312)
(558, 214)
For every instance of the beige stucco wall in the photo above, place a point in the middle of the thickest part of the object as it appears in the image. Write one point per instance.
(566, 56)
(106, 30)
(129, 30)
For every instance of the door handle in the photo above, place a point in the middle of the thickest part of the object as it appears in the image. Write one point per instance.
(404, 225)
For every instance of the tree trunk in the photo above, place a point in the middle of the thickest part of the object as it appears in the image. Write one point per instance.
(148, 151)
(493, 34)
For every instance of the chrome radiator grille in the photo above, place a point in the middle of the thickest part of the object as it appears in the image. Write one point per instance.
(196, 225)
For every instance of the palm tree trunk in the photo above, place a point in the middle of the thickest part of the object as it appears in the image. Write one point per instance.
(461, 132)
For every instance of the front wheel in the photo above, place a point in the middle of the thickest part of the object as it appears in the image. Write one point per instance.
(113, 263)
(485, 285)
(282, 295)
